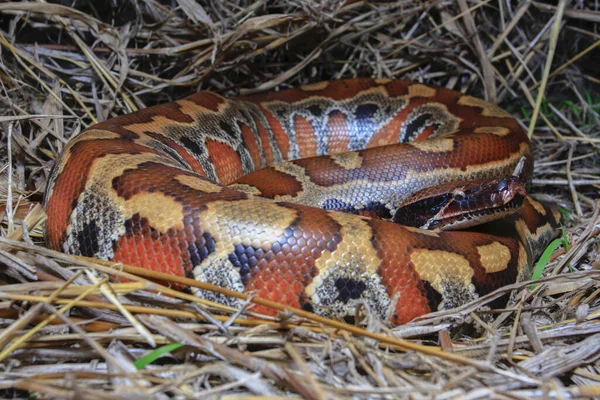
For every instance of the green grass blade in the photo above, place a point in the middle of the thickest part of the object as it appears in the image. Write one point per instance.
(544, 258)
(156, 354)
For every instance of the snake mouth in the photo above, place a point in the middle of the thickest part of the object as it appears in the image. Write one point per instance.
(462, 205)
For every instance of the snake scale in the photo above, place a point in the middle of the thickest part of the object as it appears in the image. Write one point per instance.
(292, 195)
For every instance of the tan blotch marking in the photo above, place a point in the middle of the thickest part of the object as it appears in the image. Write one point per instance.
(244, 188)
(524, 271)
(160, 123)
(487, 109)
(420, 231)
(523, 230)
(350, 160)
(90, 134)
(534, 240)
(419, 90)
(354, 253)
(537, 205)
(251, 222)
(312, 194)
(382, 81)
(93, 134)
(436, 145)
(494, 257)
(198, 183)
(315, 86)
(162, 212)
(440, 267)
(495, 130)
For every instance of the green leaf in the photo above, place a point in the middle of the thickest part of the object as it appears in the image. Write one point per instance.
(564, 238)
(544, 258)
(565, 212)
(156, 354)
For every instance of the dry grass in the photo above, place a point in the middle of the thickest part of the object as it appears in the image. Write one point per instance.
(67, 331)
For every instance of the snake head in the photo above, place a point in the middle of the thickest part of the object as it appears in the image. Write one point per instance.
(459, 205)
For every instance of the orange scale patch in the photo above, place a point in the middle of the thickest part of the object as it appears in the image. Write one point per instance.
(390, 132)
(277, 285)
(282, 139)
(397, 274)
(266, 143)
(226, 161)
(403, 283)
(387, 134)
(252, 146)
(339, 138)
(207, 100)
(272, 183)
(305, 137)
(411, 304)
(162, 255)
(427, 132)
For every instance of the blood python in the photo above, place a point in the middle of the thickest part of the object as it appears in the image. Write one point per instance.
(172, 188)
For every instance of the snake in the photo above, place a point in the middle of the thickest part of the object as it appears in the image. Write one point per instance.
(386, 195)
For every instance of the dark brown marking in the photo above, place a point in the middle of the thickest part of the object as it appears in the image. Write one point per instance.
(272, 183)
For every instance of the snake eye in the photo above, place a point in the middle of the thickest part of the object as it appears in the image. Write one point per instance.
(458, 195)
(502, 185)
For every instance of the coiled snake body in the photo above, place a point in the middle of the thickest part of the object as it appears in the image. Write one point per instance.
(149, 189)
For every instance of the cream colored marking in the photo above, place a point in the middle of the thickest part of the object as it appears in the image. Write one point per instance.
(382, 81)
(495, 130)
(354, 253)
(435, 145)
(162, 211)
(198, 183)
(527, 235)
(494, 257)
(419, 90)
(487, 109)
(349, 160)
(223, 274)
(439, 267)
(524, 271)
(93, 134)
(157, 208)
(90, 134)
(537, 205)
(159, 122)
(315, 86)
(242, 187)
(421, 231)
(251, 222)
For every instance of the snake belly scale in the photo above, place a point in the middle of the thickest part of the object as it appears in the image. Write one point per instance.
(150, 189)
